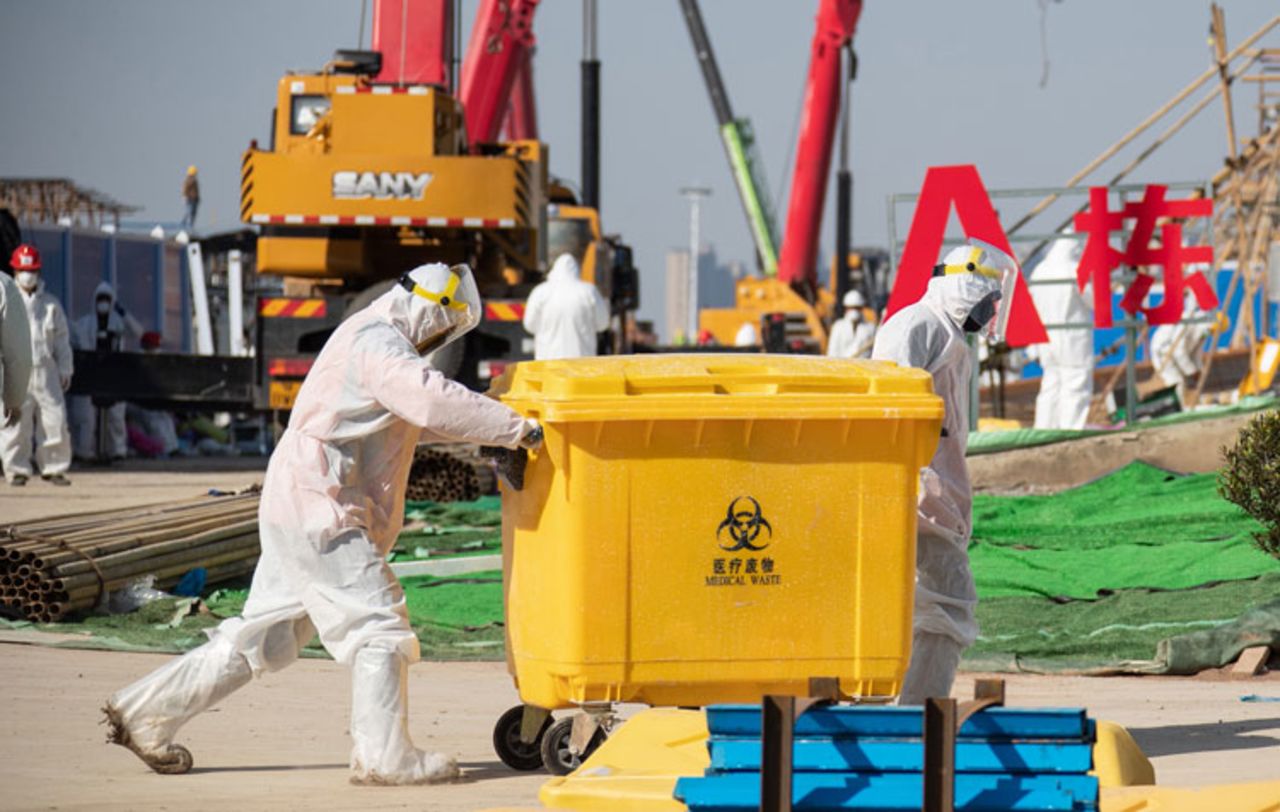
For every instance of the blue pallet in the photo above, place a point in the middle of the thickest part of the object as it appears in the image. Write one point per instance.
(998, 724)
(878, 755)
(894, 792)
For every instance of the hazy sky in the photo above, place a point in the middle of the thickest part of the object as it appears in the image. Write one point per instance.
(120, 95)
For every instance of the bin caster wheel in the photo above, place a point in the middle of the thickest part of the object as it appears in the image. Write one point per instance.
(556, 755)
(514, 753)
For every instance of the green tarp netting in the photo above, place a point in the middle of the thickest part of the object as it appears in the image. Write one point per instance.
(1123, 632)
(990, 442)
(1141, 571)
(1137, 527)
(460, 528)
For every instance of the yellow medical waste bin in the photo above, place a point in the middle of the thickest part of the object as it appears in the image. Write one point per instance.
(711, 528)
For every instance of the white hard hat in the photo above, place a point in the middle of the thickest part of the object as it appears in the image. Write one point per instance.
(854, 298)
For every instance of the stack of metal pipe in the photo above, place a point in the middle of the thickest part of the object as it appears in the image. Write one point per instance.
(52, 567)
(452, 473)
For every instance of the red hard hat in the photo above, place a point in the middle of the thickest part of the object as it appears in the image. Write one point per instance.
(151, 340)
(25, 258)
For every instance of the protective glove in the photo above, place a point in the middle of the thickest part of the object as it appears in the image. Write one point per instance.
(12, 416)
(532, 439)
(65, 380)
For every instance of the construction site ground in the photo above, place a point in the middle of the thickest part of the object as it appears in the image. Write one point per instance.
(282, 742)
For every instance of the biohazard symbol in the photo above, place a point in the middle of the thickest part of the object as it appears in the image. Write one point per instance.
(744, 526)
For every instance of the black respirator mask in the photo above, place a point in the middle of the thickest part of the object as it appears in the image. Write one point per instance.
(982, 313)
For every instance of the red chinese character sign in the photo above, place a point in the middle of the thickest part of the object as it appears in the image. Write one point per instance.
(1100, 259)
(961, 185)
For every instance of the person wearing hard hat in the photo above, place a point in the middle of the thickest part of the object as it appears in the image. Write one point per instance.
(332, 508)
(564, 314)
(852, 335)
(15, 352)
(968, 294)
(191, 197)
(44, 412)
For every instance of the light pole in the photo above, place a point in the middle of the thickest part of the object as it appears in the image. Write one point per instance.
(695, 195)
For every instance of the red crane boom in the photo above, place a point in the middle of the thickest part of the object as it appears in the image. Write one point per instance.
(797, 265)
(501, 41)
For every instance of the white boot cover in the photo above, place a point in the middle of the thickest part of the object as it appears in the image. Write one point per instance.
(934, 659)
(146, 715)
(382, 752)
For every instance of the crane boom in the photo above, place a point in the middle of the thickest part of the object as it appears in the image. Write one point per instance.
(836, 22)
(500, 43)
(739, 146)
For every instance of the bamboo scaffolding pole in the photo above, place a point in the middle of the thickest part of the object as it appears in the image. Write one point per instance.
(1146, 124)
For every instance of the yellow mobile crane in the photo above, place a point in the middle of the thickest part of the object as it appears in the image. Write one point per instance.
(374, 168)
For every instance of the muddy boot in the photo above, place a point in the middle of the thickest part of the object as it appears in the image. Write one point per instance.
(145, 716)
(382, 752)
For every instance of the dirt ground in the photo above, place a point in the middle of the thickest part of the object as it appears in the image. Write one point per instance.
(135, 482)
(1186, 448)
(281, 743)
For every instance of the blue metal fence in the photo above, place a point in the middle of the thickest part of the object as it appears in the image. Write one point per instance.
(149, 276)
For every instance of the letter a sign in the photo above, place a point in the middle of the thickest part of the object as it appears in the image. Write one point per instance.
(944, 185)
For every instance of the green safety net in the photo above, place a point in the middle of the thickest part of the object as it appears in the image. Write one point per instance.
(456, 529)
(990, 442)
(1138, 527)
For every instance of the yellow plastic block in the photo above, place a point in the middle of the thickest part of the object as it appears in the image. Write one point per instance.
(1254, 797)
(1118, 761)
(636, 768)
(998, 424)
(709, 528)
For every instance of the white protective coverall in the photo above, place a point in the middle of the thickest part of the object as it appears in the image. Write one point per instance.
(332, 507)
(94, 331)
(852, 336)
(15, 352)
(928, 335)
(1066, 388)
(44, 412)
(564, 313)
(1175, 348)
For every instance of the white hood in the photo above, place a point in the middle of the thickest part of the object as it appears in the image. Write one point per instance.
(420, 319)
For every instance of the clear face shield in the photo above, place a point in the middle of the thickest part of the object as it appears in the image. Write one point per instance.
(456, 294)
(996, 265)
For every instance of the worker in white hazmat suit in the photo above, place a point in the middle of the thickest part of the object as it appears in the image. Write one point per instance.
(1177, 349)
(104, 330)
(44, 412)
(565, 314)
(1066, 387)
(852, 335)
(15, 352)
(332, 507)
(966, 295)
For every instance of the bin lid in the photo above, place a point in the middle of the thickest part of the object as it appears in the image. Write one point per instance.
(712, 386)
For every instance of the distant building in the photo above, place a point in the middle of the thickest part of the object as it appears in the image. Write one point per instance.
(715, 286)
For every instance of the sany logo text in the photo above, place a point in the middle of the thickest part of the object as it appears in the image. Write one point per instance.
(381, 185)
